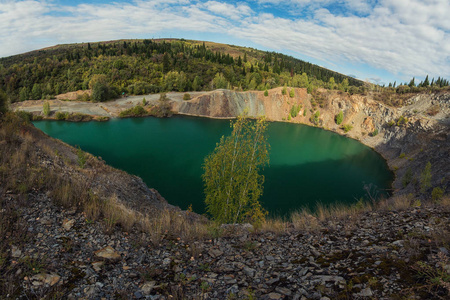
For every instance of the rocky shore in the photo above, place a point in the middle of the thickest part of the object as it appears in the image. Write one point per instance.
(395, 252)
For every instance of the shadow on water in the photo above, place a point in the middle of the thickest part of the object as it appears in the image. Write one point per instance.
(307, 164)
(342, 181)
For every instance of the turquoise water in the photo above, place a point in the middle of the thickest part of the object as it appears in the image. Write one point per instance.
(307, 164)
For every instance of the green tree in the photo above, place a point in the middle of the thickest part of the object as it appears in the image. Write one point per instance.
(219, 81)
(100, 92)
(100, 88)
(46, 108)
(23, 94)
(36, 92)
(292, 93)
(3, 102)
(339, 118)
(266, 93)
(284, 90)
(164, 106)
(425, 178)
(196, 85)
(233, 184)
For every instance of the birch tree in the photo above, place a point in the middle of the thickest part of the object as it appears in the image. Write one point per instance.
(232, 181)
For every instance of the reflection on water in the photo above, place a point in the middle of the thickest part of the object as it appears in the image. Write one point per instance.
(307, 164)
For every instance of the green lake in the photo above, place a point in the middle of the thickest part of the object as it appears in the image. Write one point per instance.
(307, 165)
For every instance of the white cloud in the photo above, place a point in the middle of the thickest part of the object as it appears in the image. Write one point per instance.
(234, 12)
(405, 37)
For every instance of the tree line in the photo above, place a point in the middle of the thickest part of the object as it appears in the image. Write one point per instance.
(149, 66)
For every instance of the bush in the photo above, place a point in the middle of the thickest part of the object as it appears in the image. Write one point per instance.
(437, 193)
(292, 93)
(187, 96)
(295, 109)
(136, 111)
(26, 116)
(78, 117)
(144, 101)
(81, 158)
(266, 93)
(375, 132)
(402, 121)
(347, 127)
(407, 178)
(425, 178)
(339, 118)
(315, 118)
(61, 116)
(284, 90)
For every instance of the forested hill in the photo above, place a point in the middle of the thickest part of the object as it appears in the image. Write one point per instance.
(151, 66)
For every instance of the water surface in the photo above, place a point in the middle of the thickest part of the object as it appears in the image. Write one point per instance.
(307, 164)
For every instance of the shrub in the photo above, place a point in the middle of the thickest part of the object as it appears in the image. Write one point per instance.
(304, 113)
(425, 178)
(434, 110)
(61, 116)
(315, 118)
(295, 109)
(347, 127)
(402, 121)
(391, 123)
(437, 193)
(144, 101)
(136, 111)
(407, 178)
(81, 158)
(375, 132)
(402, 155)
(339, 118)
(284, 90)
(187, 96)
(266, 93)
(292, 93)
(26, 116)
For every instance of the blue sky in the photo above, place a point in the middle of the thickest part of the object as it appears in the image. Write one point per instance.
(381, 41)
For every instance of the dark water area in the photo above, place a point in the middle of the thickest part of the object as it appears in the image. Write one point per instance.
(307, 165)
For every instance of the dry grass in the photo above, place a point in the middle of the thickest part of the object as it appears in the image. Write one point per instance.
(172, 225)
(400, 202)
(276, 225)
(444, 202)
(305, 221)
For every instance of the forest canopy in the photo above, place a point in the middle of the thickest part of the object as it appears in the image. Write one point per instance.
(153, 66)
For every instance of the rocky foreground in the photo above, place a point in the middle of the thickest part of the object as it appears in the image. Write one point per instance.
(396, 252)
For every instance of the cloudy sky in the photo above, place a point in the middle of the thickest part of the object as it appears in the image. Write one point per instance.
(382, 41)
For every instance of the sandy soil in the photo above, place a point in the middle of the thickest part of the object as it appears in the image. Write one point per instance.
(104, 109)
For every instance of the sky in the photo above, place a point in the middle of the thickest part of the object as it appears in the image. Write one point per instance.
(380, 41)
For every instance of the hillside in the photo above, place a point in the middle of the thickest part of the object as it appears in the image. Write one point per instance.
(151, 66)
